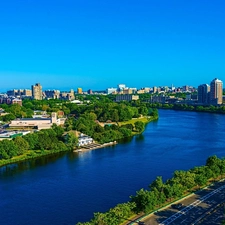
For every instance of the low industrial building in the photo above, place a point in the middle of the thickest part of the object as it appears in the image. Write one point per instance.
(37, 123)
(126, 97)
(12, 134)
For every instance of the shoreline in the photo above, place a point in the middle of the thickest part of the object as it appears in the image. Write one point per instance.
(95, 147)
(37, 154)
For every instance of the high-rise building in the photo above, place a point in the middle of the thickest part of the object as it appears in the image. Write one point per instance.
(216, 92)
(111, 90)
(90, 92)
(27, 92)
(37, 91)
(155, 89)
(52, 94)
(121, 87)
(204, 94)
(79, 91)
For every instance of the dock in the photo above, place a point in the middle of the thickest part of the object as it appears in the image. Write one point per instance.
(93, 146)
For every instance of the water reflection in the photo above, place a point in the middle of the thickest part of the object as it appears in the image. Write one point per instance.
(15, 168)
(139, 138)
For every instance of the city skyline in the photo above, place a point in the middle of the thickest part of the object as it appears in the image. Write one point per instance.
(79, 89)
(98, 44)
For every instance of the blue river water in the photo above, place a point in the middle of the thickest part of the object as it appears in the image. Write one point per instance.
(69, 187)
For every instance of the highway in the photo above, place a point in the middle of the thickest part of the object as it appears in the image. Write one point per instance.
(205, 207)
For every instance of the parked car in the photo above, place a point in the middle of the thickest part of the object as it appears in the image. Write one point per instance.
(177, 206)
(141, 223)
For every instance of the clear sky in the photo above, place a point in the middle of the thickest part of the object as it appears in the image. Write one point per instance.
(95, 44)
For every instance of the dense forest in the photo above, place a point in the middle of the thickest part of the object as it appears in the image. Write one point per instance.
(161, 193)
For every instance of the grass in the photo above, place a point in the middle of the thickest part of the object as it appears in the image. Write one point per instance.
(132, 121)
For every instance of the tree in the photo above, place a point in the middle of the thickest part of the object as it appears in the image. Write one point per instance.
(143, 110)
(141, 200)
(126, 132)
(21, 144)
(200, 175)
(157, 184)
(139, 126)
(214, 164)
(58, 130)
(71, 140)
(32, 140)
(47, 139)
(8, 149)
(115, 115)
(8, 117)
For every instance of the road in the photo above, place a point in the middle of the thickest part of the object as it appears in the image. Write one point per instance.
(205, 207)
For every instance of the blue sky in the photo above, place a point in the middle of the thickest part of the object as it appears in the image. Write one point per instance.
(98, 44)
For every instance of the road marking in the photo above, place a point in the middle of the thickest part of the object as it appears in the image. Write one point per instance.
(183, 220)
(197, 202)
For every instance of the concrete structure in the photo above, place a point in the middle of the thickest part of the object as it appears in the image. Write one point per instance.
(121, 87)
(37, 91)
(10, 100)
(185, 88)
(111, 90)
(52, 94)
(67, 95)
(204, 94)
(79, 91)
(76, 101)
(20, 93)
(155, 89)
(216, 92)
(90, 92)
(126, 98)
(17, 101)
(12, 134)
(127, 91)
(84, 140)
(36, 123)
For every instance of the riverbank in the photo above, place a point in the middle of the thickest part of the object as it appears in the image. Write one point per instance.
(30, 154)
(191, 108)
(94, 146)
(186, 201)
(99, 180)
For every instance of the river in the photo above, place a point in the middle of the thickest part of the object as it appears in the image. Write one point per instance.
(69, 187)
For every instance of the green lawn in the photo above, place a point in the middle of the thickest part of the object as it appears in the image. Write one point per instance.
(143, 119)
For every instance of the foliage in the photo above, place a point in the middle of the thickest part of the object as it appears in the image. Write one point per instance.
(161, 192)
(139, 126)
(113, 118)
(186, 107)
(71, 140)
(49, 139)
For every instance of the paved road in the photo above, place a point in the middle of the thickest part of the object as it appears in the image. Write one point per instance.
(203, 208)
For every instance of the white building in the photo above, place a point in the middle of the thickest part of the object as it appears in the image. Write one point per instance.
(121, 87)
(111, 90)
(37, 123)
(84, 140)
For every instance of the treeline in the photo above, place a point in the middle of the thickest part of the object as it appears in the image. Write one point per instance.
(84, 118)
(101, 121)
(29, 106)
(55, 105)
(49, 139)
(161, 193)
(186, 107)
